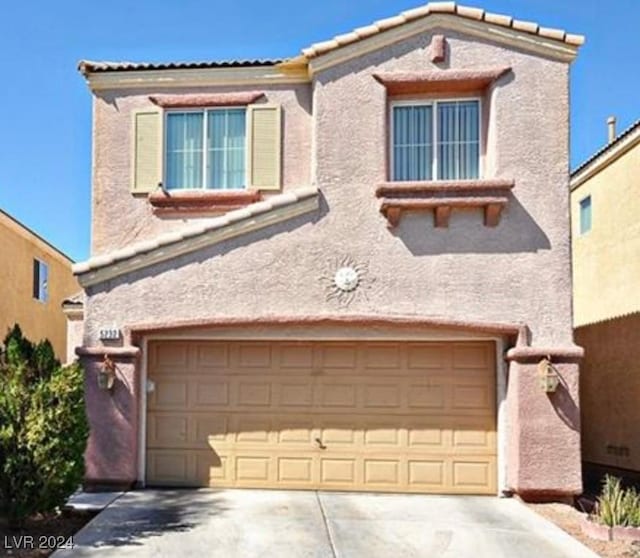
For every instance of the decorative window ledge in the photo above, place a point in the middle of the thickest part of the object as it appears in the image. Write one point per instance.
(206, 100)
(176, 202)
(442, 197)
(440, 81)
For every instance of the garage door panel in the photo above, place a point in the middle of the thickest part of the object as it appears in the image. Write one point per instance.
(471, 474)
(254, 355)
(334, 394)
(209, 393)
(427, 474)
(296, 470)
(169, 394)
(429, 357)
(427, 396)
(297, 432)
(426, 437)
(212, 356)
(384, 434)
(478, 397)
(338, 471)
(172, 468)
(382, 356)
(474, 356)
(379, 395)
(168, 430)
(294, 394)
(212, 470)
(210, 428)
(169, 356)
(296, 356)
(416, 417)
(382, 472)
(254, 393)
(337, 357)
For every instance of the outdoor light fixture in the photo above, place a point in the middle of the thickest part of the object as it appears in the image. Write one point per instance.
(548, 376)
(106, 374)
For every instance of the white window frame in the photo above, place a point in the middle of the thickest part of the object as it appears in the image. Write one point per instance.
(205, 111)
(580, 202)
(434, 102)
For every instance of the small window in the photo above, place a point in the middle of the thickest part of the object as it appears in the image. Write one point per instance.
(40, 281)
(205, 149)
(438, 140)
(585, 215)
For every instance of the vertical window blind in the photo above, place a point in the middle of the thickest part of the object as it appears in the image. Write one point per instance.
(454, 153)
(206, 149)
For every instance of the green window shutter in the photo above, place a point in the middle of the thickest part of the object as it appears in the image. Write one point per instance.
(147, 151)
(265, 147)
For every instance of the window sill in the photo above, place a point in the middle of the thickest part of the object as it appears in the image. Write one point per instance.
(178, 202)
(442, 197)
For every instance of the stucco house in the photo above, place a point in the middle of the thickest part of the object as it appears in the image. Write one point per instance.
(605, 201)
(35, 279)
(349, 269)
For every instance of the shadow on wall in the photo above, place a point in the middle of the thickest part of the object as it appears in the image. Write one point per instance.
(224, 247)
(138, 515)
(466, 234)
(114, 98)
(564, 406)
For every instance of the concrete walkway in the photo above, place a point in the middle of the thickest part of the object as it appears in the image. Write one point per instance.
(288, 524)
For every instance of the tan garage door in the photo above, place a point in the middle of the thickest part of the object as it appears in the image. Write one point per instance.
(404, 417)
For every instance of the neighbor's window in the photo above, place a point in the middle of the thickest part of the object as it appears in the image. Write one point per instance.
(205, 149)
(40, 281)
(438, 140)
(585, 215)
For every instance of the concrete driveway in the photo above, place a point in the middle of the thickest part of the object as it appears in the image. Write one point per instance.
(289, 524)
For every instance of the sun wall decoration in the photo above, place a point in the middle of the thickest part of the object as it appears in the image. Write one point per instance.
(349, 280)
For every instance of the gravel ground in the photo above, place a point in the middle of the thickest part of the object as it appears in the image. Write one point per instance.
(568, 518)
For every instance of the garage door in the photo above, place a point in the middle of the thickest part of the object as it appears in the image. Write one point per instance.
(401, 417)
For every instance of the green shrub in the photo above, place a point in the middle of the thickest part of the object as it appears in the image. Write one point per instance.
(617, 506)
(43, 428)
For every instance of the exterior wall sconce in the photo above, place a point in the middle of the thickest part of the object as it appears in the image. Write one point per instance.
(548, 376)
(107, 374)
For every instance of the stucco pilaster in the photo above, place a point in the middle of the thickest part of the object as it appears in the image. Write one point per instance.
(544, 431)
(110, 457)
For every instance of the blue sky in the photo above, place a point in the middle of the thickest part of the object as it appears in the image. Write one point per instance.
(45, 108)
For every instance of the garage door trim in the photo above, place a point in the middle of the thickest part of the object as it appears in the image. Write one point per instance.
(500, 380)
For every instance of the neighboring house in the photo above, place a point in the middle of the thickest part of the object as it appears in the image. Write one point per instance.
(605, 202)
(35, 278)
(343, 270)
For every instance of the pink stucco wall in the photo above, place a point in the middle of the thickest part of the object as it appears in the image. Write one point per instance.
(335, 137)
(120, 218)
(113, 415)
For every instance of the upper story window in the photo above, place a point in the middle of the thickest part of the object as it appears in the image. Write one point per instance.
(40, 280)
(435, 140)
(206, 149)
(585, 215)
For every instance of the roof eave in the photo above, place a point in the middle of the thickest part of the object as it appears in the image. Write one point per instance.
(278, 209)
(626, 141)
(196, 77)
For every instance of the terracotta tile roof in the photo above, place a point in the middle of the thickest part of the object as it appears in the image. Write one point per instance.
(192, 232)
(635, 126)
(450, 8)
(90, 67)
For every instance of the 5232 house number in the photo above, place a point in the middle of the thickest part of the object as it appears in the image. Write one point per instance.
(43, 542)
